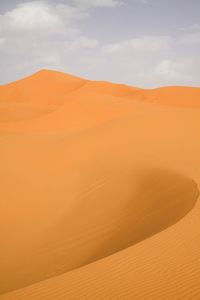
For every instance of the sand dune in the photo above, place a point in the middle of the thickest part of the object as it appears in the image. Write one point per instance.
(99, 190)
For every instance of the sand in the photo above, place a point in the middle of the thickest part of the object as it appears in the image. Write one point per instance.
(99, 190)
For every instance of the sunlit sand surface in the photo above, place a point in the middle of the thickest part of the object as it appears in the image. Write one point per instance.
(99, 190)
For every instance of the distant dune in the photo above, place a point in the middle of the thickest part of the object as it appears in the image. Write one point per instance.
(99, 190)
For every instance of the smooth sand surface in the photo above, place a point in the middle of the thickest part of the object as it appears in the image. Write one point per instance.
(99, 190)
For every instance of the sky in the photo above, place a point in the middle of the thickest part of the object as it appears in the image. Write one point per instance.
(143, 43)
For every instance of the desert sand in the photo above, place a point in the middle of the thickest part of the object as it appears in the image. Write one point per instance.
(99, 190)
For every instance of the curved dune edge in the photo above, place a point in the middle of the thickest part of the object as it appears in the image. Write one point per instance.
(144, 204)
(162, 275)
(90, 161)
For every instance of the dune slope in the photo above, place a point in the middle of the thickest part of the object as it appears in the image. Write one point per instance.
(99, 190)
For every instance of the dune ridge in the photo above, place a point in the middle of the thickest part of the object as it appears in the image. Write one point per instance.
(99, 190)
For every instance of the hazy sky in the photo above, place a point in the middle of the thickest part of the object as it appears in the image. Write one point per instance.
(144, 43)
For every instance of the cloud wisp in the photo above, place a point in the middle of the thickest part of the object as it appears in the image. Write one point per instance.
(45, 34)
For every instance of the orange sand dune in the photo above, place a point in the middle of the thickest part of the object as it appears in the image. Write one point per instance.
(175, 96)
(99, 190)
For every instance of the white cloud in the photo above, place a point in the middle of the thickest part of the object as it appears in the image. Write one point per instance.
(2, 40)
(48, 34)
(193, 27)
(38, 34)
(146, 44)
(184, 70)
(82, 42)
(29, 16)
(39, 15)
(190, 39)
(151, 61)
(32, 15)
(97, 3)
(171, 71)
(135, 59)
